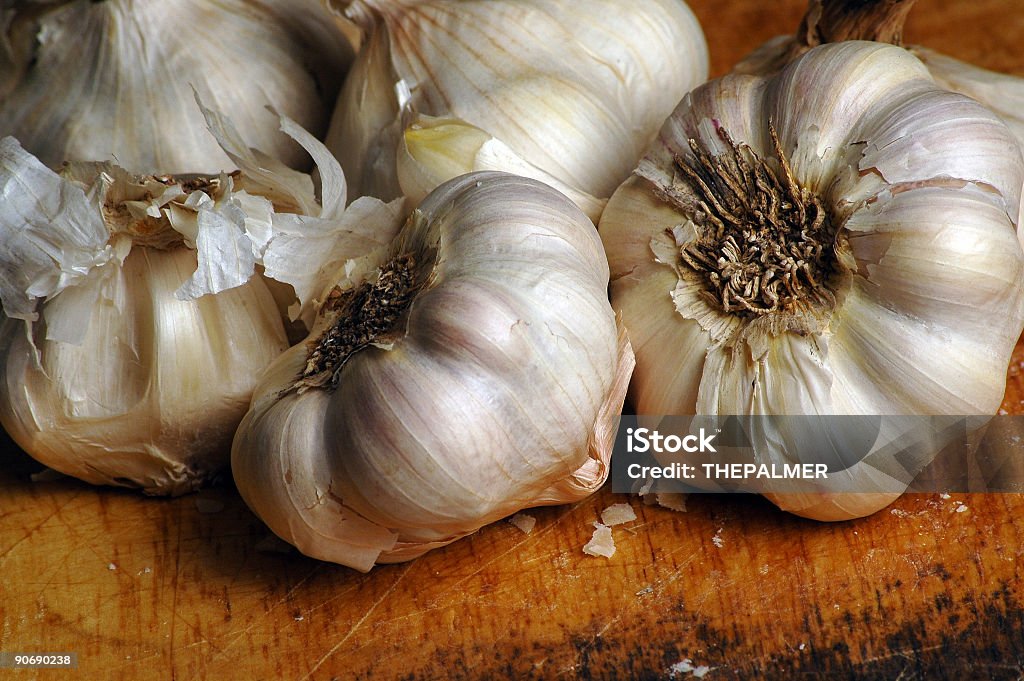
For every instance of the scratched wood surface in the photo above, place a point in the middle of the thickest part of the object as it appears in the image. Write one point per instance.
(181, 589)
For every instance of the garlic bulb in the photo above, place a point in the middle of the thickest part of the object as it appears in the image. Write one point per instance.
(470, 369)
(836, 238)
(117, 381)
(575, 89)
(83, 80)
(136, 326)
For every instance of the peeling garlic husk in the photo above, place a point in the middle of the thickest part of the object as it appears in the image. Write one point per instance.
(911, 306)
(574, 90)
(136, 324)
(113, 80)
(471, 369)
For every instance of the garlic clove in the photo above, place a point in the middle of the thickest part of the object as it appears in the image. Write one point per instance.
(435, 150)
(151, 394)
(999, 92)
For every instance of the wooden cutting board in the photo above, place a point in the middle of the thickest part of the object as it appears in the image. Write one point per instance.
(181, 589)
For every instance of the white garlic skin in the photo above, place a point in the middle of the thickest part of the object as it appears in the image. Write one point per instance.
(576, 88)
(501, 391)
(924, 186)
(152, 396)
(113, 80)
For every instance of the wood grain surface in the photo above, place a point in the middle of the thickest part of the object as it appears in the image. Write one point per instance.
(930, 588)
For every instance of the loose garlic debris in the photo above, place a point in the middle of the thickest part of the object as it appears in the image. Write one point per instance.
(135, 325)
(83, 80)
(564, 90)
(836, 238)
(468, 370)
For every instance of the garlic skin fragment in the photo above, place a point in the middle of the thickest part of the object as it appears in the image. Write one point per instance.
(574, 88)
(913, 306)
(486, 376)
(113, 80)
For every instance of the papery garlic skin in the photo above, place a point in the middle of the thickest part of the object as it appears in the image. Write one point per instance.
(497, 388)
(577, 89)
(114, 80)
(151, 396)
(922, 187)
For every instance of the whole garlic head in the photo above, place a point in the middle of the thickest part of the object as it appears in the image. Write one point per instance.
(576, 89)
(151, 396)
(135, 323)
(106, 374)
(836, 238)
(82, 80)
(470, 369)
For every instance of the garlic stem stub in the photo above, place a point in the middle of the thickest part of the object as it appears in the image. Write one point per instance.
(835, 238)
(574, 89)
(470, 369)
(137, 313)
(82, 80)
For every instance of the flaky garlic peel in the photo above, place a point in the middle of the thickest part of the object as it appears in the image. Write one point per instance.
(836, 238)
(567, 89)
(113, 80)
(470, 369)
